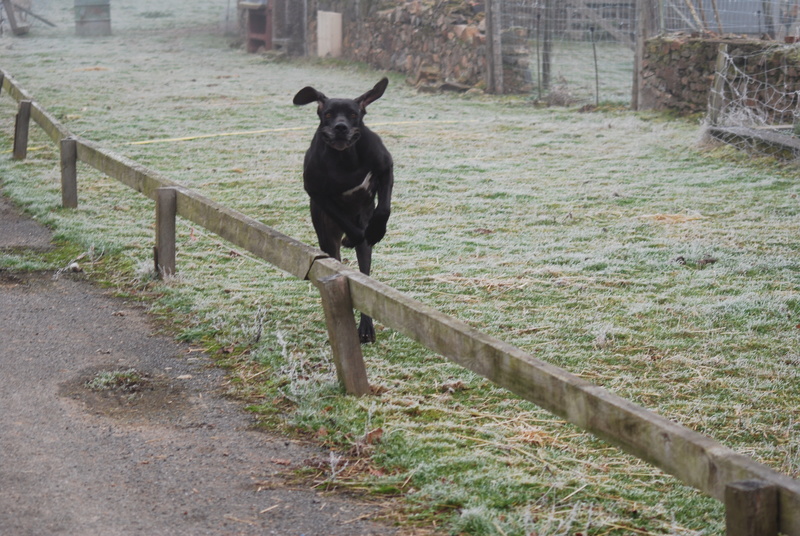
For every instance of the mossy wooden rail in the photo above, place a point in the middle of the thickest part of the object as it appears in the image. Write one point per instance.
(759, 501)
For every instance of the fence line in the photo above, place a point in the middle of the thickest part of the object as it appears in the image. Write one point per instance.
(759, 501)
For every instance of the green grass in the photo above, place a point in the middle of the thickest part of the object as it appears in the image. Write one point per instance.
(557, 231)
(128, 381)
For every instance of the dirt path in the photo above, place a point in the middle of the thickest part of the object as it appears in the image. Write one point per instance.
(172, 457)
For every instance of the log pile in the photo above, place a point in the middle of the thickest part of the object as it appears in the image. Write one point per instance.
(439, 44)
(430, 41)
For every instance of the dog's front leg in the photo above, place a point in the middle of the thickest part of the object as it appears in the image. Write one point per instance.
(355, 234)
(376, 229)
(366, 329)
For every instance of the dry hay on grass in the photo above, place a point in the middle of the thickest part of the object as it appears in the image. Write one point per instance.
(673, 218)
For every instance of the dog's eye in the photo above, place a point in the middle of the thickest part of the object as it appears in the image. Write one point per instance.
(353, 116)
(328, 115)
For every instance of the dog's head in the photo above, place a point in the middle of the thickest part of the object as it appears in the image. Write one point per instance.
(341, 120)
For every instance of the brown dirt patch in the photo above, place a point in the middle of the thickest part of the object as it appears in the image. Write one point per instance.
(153, 397)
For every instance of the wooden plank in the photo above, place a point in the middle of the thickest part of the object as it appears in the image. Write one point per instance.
(51, 126)
(751, 509)
(774, 143)
(126, 171)
(695, 459)
(69, 173)
(343, 333)
(14, 89)
(261, 240)
(21, 130)
(54, 129)
(264, 242)
(166, 209)
(32, 14)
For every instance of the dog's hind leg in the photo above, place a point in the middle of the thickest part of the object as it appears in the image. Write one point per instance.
(366, 330)
(329, 235)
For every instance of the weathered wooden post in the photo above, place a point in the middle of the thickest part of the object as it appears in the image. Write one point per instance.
(164, 251)
(648, 22)
(343, 334)
(751, 508)
(69, 173)
(21, 130)
(716, 97)
(2, 79)
(494, 47)
(16, 27)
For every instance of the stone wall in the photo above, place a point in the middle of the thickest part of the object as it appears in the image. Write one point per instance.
(678, 70)
(439, 44)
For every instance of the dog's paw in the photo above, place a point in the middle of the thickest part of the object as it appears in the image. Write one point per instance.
(351, 241)
(366, 331)
(376, 229)
(375, 235)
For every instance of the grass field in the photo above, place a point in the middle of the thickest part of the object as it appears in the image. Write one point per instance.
(577, 80)
(616, 245)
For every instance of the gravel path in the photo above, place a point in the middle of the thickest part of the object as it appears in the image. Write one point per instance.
(173, 457)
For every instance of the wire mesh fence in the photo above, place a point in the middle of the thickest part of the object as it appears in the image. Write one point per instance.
(754, 100)
(773, 18)
(583, 51)
(580, 51)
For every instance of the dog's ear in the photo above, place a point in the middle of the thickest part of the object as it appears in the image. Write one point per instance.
(308, 95)
(373, 94)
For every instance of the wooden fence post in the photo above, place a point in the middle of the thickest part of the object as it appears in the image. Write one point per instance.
(2, 79)
(164, 251)
(494, 47)
(69, 173)
(21, 130)
(16, 27)
(716, 97)
(343, 334)
(648, 24)
(751, 508)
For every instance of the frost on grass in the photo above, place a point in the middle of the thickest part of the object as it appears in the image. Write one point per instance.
(126, 381)
(553, 230)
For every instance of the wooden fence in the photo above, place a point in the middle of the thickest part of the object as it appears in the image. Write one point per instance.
(759, 501)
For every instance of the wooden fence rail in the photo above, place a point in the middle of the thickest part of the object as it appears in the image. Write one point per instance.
(759, 501)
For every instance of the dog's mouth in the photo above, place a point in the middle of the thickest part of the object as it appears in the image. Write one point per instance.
(340, 140)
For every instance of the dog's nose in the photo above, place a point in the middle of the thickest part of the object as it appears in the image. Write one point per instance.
(340, 127)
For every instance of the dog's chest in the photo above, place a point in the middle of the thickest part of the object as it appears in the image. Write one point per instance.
(364, 188)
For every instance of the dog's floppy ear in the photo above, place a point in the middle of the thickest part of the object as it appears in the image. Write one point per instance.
(308, 95)
(373, 94)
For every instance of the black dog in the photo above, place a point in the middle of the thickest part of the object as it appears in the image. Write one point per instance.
(345, 169)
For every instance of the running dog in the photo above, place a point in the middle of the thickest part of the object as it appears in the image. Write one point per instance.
(346, 169)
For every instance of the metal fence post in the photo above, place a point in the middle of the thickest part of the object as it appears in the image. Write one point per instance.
(343, 334)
